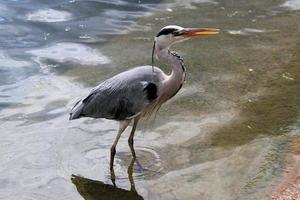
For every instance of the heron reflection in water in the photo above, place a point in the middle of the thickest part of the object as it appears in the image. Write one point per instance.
(97, 190)
(140, 91)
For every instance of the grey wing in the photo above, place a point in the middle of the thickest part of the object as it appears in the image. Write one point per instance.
(121, 96)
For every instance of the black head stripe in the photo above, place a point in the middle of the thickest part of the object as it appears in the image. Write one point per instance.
(166, 31)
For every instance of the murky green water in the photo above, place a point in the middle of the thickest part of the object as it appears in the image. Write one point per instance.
(223, 136)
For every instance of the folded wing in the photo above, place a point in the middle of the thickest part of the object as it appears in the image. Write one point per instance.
(121, 96)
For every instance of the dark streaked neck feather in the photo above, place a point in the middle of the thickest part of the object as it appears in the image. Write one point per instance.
(175, 54)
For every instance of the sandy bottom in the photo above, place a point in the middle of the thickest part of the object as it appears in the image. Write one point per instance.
(289, 187)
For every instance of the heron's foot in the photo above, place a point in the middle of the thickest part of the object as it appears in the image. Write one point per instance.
(141, 169)
(144, 169)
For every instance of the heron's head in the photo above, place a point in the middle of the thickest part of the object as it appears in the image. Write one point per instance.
(171, 34)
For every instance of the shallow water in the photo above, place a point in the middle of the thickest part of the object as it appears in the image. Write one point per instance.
(229, 127)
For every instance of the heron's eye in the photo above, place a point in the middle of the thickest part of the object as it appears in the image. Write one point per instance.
(177, 33)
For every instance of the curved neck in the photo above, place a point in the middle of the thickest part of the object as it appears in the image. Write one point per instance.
(171, 59)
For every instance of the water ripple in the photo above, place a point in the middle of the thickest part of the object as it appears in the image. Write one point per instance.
(49, 15)
(292, 4)
(69, 52)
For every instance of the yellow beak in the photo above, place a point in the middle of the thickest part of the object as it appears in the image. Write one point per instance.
(190, 32)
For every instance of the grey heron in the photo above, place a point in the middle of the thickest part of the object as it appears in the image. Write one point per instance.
(140, 91)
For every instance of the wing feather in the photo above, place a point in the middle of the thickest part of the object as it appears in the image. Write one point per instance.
(121, 96)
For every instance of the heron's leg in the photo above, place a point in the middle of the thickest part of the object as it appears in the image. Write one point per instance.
(123, 125)
(113, 177)
(130, 139)
(130, 175)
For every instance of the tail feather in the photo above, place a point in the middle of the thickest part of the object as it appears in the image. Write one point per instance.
(76, 111)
